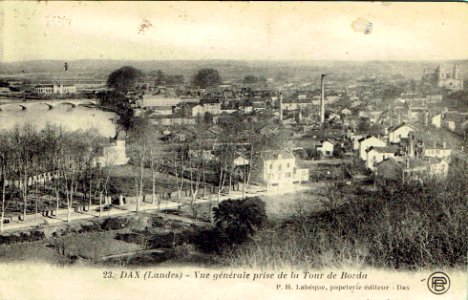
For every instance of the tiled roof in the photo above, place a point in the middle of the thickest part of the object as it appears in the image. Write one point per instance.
(274, 155)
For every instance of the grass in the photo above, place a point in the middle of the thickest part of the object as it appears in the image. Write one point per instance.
(93, 245)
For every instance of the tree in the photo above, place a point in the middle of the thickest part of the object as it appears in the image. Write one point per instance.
(238, 220)
(160, 78)
(5, 153)
(249, 79)
(123, 79)
(207, 77)
(364, 125)
(208, 118)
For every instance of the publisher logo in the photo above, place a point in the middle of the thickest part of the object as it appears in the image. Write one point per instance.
(438, 283)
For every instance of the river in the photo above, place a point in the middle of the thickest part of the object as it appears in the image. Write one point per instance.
(72, 119)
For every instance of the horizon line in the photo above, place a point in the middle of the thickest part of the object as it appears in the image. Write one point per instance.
(239, 60)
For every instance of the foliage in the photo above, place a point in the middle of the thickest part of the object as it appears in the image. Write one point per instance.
(161, 78)
(249, 79)
(26, 152)
(236, 221)
(416, 226)
(364, 125)
(207, 77)
(240, 219)
(123, 79)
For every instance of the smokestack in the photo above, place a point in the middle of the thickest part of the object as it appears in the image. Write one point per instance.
(322, 100)
(281, 106)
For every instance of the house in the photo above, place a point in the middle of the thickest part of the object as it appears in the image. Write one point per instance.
(240, 161)
(438, 168)
(203, 153)
(171, 121)
(114, 155)
(346, 112)
(389, 172)
(289, 105)
(161, 111)
(182, 135)
(246, 108)
(436, 120)
(327, 147)
(397, 133)
(355, 140)
(366, 143)
(258, 105)
(211, 105)
(55, 89)
(278, 169)
(377, 154)
(157, 100)
(420, 169)
(198, 110)
(437, 151)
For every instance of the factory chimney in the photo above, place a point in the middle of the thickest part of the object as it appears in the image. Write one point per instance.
(281, 106)
(322, 100)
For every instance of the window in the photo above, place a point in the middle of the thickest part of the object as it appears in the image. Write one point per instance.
(288, 175)
(287, 165)
(279, 167)
(271, 166)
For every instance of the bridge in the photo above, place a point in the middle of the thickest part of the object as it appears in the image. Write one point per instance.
(46, 104)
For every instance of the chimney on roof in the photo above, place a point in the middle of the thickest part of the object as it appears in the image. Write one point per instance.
(322, 100)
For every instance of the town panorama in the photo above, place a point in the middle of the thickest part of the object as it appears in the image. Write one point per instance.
(262, 163)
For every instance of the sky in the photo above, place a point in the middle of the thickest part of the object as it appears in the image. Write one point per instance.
(233, 30)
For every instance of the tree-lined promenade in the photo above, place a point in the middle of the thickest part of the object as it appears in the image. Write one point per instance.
(49, 169)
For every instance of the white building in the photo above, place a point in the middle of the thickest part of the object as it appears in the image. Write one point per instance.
(402, 131)
(161, 111)
(439, 168)
(278, 169)
(366, 143)
(55, 89)
(378, 154)
(327, 147)
(114, 155)
(289, 105)
(355, 139)
(157, 100)
(437, 151)
(240, 161)
(436, 120)
(212, 108)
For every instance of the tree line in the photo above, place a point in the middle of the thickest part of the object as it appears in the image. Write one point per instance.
(39, 165)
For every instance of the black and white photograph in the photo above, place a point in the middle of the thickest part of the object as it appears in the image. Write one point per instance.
(233, 150)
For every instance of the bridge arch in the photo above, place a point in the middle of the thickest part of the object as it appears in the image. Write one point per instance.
(65, 105)
(12, 107)
(40, 106)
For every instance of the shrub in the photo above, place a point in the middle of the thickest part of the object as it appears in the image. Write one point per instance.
(236, 221)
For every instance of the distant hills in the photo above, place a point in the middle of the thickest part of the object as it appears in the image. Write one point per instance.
(229, 69)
